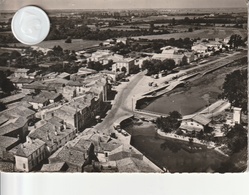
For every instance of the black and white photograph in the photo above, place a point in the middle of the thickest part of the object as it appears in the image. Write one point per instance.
(124, 86)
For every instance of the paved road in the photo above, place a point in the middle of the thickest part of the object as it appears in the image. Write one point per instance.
(122, 105)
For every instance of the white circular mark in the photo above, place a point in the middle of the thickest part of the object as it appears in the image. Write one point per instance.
(30, 25)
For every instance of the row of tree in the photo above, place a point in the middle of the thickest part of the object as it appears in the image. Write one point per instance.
(155, 66)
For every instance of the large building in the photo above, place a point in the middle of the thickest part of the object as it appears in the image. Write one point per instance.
(124, 65)
(29, 155)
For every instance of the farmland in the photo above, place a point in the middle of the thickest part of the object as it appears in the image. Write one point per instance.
(77, 44)
(210, 33)
(128, 27)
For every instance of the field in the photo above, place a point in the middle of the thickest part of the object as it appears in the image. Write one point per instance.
(128, 27)
(77, 44)
(203, 33)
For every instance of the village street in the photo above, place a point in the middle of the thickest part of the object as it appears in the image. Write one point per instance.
(122, 105)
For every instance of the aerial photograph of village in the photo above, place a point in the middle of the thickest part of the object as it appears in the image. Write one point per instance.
(127, 87)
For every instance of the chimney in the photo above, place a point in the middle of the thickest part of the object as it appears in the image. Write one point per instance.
(237, 115)
(48, 137)
(55, 130)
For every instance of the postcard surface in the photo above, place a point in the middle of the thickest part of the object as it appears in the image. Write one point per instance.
(126, 86)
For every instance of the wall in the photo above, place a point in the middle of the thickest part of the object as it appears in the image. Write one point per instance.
(21, 162)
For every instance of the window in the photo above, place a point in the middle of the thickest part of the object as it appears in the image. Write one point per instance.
(24, 166)
(192, 124)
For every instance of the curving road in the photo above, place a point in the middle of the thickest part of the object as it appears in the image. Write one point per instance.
(122, 105)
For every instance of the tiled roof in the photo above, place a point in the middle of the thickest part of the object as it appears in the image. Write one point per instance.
(28, 148)
(22, 70)
(124, 152)
(70, 156)
(3, 119)
(48, 131)
(21, 103)
(49, 95)
(54, 167)
(6, 166)
(24, 80)
(6, 141)
(7, 128)
(201, 119)
(131, 165)
(12, 98)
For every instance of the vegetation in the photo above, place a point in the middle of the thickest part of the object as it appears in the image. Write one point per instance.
(155, 66)
(237, 138)
(236, 41)
(5, 84)
(2, 106)
(235, 89)
(170, 123)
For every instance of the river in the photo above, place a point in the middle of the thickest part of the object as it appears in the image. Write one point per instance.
(191, 98)
(176, 156)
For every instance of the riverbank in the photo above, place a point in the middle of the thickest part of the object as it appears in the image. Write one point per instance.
(175, 155)
(210, 145)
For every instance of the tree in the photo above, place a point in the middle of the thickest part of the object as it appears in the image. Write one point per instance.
(15, 54)
(168, 64)
(68, 40)
(235, 41)
(95, 66)
(124, 70)
(6, 85)
(170, 123)
(190, 30)
(237, 138)
(235, 89)
(2, 106)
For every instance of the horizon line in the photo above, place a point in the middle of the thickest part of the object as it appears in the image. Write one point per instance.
(2, 10)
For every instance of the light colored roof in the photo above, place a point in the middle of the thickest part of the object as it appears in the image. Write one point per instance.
(6, 141)
(22, 70)
(12, 98)
(7, 128)
(70, 156)
(28, 148)
(54, 167)
(63, 75)
(3, 119)
(124, 152)
(201, 119)
(48, 130)
(131, 165)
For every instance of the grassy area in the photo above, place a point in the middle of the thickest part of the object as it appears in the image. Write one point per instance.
(203, 33)
(77, 44)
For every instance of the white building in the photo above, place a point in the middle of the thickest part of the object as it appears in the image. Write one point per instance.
(127, 63)
(29, 155)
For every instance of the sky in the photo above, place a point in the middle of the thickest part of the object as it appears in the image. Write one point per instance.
(120, 4)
